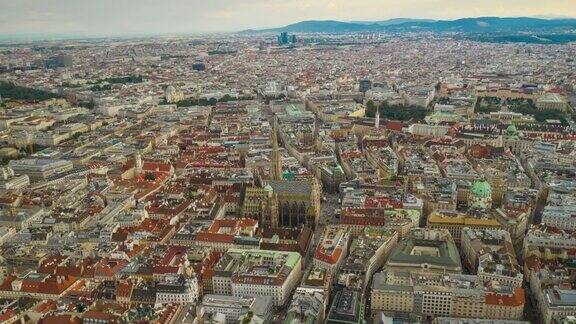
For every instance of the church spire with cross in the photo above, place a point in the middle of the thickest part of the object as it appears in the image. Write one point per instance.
(377, 122)
(276, 167)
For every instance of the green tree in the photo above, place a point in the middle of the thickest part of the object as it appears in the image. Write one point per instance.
(370, 109)
(149, 176)
(401, 112)
(125, 79)
(12, 91)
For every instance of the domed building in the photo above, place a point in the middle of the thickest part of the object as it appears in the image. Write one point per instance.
(481, 195)
(512, 131)
(173, 95)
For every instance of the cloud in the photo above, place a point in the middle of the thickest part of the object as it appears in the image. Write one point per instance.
(154, 16)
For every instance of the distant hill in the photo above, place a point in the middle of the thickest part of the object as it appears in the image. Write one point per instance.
(489, 24)
(465, 25)
(319, 26)
(394, 21)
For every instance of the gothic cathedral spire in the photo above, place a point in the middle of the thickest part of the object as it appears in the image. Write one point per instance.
(276, 167)
(377, 122)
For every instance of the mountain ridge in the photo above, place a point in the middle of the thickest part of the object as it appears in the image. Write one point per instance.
(466, 25)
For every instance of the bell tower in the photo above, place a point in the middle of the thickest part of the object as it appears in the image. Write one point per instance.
(137, 163)
(276, 167)
(377, 122)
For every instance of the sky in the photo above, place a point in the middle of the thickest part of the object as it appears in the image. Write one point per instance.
(124, 17)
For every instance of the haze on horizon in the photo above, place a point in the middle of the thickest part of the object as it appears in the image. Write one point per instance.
(124, 17)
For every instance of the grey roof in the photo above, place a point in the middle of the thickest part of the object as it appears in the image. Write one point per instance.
(448, 257)
(262, 305)
(561, 297)
(291, 187)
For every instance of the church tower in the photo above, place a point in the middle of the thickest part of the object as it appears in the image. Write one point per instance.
(270, 209)
(137, 163)
(377, 122)
(276, 167)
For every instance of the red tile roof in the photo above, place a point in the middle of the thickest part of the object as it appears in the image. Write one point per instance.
(395, 125)
(515, 300)
(235, 225)
(7, 315)
(157, 166)
(124, 289)
(108, 268)
(46, 306)
(51, 263)
(53, 285)
(332, 258)
(60, 319)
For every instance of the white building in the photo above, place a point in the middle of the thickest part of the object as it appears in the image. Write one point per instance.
(490, 253)
(6, 233)
(542, 236)
(563, 217)
(233, 307)
(177, 289)
(428, 130)
(10, 181)
(258, 273)
(551, 101)
(553, 293)
(40, 169)
(367, 254)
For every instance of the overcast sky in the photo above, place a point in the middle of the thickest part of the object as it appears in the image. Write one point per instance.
(116, 17)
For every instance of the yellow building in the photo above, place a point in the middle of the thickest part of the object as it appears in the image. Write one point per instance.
(455, 221)
(443, 295)
(505, 93)
(394, 301)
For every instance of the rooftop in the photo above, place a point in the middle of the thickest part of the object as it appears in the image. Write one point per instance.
(425, 249)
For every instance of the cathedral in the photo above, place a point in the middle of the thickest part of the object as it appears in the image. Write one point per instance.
(283, 202)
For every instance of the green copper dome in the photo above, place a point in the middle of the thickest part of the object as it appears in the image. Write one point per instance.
(482, 189)
(288, 175)
(268, 188)
(512, 130)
